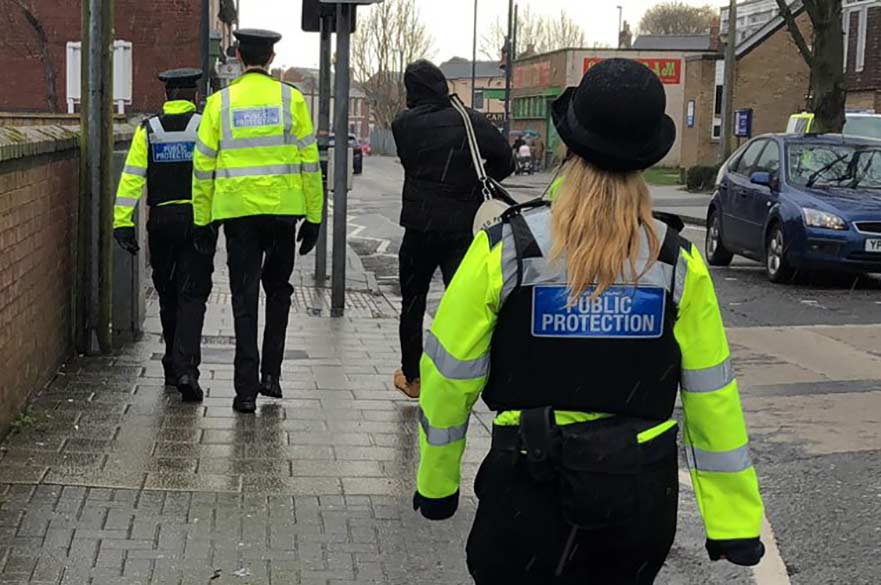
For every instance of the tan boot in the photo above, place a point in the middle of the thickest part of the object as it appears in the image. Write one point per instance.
(410, 389)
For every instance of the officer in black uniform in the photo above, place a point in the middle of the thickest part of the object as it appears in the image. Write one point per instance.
(160, 162)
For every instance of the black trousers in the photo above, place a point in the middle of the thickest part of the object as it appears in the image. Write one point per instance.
(260, 248)
(182, 278)
(421, 254)
(520, 535)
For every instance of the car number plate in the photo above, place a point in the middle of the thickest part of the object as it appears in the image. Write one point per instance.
(873, 246)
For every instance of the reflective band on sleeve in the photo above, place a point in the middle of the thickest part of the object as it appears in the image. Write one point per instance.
(205, 149)
(708, 379)
(509, 262)
(126, 202)
(137, 171)
(286, 108)
(203, 175)
(440, 437)
(265, 171)
(225, 113)
(310, 167)
(306, 142)
(259, 142)
(681, 272)
(452, 368)
(723, 461)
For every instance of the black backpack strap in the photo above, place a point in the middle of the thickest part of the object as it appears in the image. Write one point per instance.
(525, 245)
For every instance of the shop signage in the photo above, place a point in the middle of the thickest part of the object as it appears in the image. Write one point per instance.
(668, 70)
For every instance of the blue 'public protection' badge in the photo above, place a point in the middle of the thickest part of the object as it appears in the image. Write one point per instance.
(173, 152)
(621, 312)
(255, 117)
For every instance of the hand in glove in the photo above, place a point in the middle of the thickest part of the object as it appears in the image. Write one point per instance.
(308, 235)
(125, 237)
(205, 239)
(439, 509)
(746, 552)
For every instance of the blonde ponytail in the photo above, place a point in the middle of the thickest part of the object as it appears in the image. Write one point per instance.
(597, 226)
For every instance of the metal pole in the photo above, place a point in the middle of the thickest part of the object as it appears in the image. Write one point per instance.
(620, 23)
(474, 59)
(205, 32)
(509, 66)
(725, 140)
(323, 141)
(341, 159)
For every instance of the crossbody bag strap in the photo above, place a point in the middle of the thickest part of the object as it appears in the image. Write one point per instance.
(473, 147)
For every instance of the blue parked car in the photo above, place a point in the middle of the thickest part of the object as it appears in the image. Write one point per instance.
(795, 203)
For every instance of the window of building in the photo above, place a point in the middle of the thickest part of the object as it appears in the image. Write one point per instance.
(861, 39)
(716, 131)
(478, 100)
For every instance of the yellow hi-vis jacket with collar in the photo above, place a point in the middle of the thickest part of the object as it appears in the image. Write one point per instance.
(133, 182)
(715, 433)
(256, 154)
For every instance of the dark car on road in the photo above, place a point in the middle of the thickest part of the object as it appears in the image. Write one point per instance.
(796, 203)
(357, 152)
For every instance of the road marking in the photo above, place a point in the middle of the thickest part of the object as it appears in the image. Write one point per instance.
(772, 569)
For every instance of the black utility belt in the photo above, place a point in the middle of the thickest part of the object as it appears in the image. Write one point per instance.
(599, 465)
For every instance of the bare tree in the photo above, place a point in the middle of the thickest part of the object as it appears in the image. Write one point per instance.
(541, 34)
(825, 57)
(41, 50)
(389, 37)
(677, 18)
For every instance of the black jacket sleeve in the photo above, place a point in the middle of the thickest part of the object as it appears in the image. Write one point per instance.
(494, 148)
(400, 134)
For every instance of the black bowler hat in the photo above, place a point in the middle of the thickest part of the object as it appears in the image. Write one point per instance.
(257, 37)
(181, 78)
(615, 118)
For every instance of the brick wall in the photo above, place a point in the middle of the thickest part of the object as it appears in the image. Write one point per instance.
(772, 79)
(870, 77)
(38, 199)
(164, 35)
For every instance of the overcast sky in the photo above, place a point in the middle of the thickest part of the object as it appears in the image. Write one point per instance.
(449, 22)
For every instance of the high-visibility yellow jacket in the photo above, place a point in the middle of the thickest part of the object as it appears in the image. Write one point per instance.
(455, 370)
(133, 183)
(256, 153)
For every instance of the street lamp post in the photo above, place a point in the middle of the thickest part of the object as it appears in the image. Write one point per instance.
(620, 23)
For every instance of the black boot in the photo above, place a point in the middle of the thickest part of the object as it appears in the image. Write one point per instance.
(189, 389)
(270, 386)
(245, 404)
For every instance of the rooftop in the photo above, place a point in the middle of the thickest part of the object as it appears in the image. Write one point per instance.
(696, 42)
(458, 68)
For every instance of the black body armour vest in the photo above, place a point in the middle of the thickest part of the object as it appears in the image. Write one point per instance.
(614, 354)
(171, 140)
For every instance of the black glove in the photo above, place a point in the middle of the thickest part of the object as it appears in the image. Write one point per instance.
(309, 236)
(746, 552)
(125, 237)
(205, 239)
(436, 509)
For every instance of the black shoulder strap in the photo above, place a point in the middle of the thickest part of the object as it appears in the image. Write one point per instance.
(525, 245)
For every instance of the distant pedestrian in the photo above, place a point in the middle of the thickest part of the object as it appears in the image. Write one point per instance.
(440, 199)
(538, 152)
(256, 170)
(160, 164)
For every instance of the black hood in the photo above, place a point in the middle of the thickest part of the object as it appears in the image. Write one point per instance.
(425, 84)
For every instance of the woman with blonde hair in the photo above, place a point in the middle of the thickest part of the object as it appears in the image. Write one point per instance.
(578, 322)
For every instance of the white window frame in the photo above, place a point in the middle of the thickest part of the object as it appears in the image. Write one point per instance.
(861, 38)
(716, 127)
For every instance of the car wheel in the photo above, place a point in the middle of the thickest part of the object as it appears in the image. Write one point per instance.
(777, 264)
(717, 254)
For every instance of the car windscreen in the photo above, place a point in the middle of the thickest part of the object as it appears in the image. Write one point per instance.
(840, 166)
(868, 126)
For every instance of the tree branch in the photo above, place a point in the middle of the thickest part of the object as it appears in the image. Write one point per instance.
(795, 32)
(45, 57)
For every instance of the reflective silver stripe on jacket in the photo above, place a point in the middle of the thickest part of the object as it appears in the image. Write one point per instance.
(203, 175)
(681, 272)
(440, 437)
(708, 379)
(722, 461)
(262, 171)
(126, 202)
(160, 135)
(450, 366)
(205, 149)
(256, 142)
(137, 171)
(225, 114)
(310, 167)
(307, 141)
(287, 115)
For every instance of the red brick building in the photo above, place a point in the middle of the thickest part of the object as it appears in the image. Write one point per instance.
(164, 34)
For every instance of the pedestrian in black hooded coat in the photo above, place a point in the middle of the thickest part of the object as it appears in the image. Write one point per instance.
(441, 196)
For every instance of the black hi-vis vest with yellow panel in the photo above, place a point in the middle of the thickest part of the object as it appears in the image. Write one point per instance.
(613, 354)
(171, 139)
